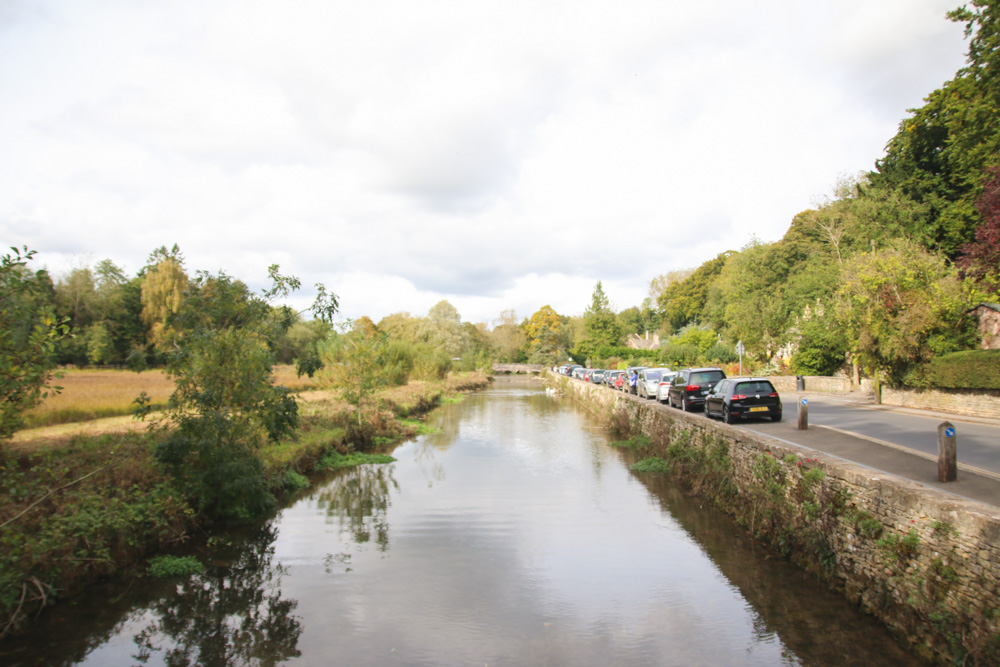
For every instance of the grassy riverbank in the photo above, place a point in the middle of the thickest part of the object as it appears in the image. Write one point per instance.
(79, 507)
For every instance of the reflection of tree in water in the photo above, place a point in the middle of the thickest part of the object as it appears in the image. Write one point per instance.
(231, 615)
(359, 497)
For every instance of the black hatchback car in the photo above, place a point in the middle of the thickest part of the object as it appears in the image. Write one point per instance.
(690, 386)
(739, 398)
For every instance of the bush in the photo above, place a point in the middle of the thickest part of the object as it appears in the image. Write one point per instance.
(971, 369)
(174, 566)
(679, 355)
(721, 354)
(822, 350)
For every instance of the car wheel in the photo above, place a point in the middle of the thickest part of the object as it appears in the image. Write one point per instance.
(708, 413)
(684, 404)
(726, 417)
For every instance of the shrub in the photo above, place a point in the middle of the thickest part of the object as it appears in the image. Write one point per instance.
(970, 369)
(174, 566)
(654, 465)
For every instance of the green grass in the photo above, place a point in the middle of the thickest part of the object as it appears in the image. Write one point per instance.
(420, 427)
(637, 442)
(335, 461)
(653, 465)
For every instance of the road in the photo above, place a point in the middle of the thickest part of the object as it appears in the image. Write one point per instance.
(911, 430)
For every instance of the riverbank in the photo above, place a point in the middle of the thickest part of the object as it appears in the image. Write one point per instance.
(79, 507)
(924, 562)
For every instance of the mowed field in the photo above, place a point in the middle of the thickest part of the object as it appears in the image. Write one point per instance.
(97, 394)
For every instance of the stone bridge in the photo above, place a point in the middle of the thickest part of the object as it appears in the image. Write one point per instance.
(518, 368)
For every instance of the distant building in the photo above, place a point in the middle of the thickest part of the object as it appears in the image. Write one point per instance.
(988, 315)
(637, 342)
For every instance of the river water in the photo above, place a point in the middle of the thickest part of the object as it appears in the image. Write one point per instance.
(515, 536)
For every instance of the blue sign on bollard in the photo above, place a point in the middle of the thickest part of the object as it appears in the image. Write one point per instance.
(805, 401)
(950, 432)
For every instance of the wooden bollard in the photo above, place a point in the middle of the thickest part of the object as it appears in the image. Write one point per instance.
(803, 414)
(947, 453)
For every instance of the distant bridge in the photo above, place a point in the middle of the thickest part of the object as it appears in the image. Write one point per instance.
(518, 368)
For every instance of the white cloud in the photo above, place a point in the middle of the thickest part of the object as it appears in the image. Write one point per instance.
(498, 156)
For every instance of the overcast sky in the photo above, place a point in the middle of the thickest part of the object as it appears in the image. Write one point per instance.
(494, 154)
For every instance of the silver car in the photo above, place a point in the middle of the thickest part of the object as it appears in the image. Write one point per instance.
(663, 390)
(649, 381)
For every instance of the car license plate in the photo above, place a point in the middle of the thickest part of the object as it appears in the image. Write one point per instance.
(762, 408)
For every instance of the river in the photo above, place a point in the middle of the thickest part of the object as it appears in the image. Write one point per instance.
(514, 536)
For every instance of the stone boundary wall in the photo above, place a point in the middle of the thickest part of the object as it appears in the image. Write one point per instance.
(924, 562)
(976, 403)
(786, 384)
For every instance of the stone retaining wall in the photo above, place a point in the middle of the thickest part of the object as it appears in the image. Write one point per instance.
(786, 384)
(924, 562)
(977, 403)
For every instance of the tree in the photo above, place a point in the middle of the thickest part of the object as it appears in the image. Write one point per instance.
(29, 333)
(508, 337)
(225, 405)
(446, 325)
(600, 325)
(682, 303)
(353, 364)
(899, 307)
(756, 310)
(163, 289)
(544, 331)
(981, 258)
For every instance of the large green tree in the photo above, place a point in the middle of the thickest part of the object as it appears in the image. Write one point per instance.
(354, 365)
(545, 335)
(937, 163)
(600, 324)
(29, 333)
(225, 405)
(901, 306)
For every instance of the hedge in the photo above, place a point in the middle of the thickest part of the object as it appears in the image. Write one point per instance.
(970, 369)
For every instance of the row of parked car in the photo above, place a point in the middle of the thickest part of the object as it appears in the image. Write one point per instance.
(731, 399)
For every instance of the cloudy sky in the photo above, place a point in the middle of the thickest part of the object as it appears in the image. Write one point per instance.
(494, 154)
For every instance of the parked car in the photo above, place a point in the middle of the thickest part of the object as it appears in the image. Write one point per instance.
(611, 377)
(578, 372)
(649, 381)
(740, 398)
(621, 381)
(663, 389)
(690, 386)
(597, 375)
(631, 375)
(571, 368)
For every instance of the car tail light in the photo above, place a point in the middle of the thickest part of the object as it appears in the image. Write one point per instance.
(773, 394)
(739, 397)
(692, 387)
(664, 384)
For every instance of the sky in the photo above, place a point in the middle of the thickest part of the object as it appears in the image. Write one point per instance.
(496, 155)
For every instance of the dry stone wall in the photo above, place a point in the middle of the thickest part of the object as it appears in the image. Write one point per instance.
(926, 563)
(978, 403)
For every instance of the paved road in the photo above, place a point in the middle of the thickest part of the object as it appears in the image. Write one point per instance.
(978, 443)
(892, 440)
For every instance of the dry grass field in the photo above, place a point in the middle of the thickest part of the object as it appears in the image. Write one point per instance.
(95, 394)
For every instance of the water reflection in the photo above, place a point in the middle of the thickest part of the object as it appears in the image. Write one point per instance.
(358, 499)
(233, 615)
